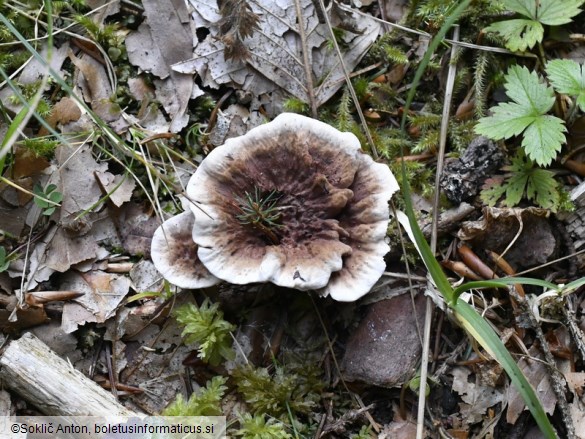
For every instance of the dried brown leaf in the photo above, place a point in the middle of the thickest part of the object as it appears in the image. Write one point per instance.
(103, 292)
(538, 375)
(275, 51)
(163, 39)
(238, 22)
(477, 398)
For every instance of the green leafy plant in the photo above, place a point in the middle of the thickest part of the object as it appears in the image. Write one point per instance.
(523, 33)
(542, 134)
(47, 199)
(4, 262)
(465, 314)
(205, 326)
(205, 403)
(567, 77)
(295, 105)
(258, 208)
(524, 181)
(364, 433)
(257, 427)
(107, 35)
(27, 91)
(386, 50)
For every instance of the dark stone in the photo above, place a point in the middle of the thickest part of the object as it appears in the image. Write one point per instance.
(385, 348)
(462, 178)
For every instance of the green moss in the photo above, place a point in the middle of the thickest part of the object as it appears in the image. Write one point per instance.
(279, 392)
(207, 402)
(205, 326)
(257, 427)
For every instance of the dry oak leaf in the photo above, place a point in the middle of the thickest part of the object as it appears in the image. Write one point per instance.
(275, 50)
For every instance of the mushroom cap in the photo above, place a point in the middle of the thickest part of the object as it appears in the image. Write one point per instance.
(174, 254)
(326, 196)
(365, 219)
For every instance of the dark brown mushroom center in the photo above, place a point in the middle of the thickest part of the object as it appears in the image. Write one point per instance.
(286, 194)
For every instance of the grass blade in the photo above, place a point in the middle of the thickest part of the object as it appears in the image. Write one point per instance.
(502, 282)
(481, 331)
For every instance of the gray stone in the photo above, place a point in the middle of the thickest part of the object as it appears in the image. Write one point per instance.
(385, 348)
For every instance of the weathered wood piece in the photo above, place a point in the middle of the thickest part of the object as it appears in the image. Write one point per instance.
(29, 368)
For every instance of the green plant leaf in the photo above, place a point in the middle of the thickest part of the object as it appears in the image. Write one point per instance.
(506, 121)
(538, 185)
(543, 139)
(557, 12)
(567, 77)
(4, 263)
(492, 195)
(40, 198)
(257, 427)
(543, 189)
(207, 402)
(570, 287)
(532, 99)
(529, 90)
(47, 199)
(56, 197)
(523, 7)
(281, 392)
(504, 281)
(515, 189)
(520, 34)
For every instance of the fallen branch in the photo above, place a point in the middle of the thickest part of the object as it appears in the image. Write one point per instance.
(30, 369)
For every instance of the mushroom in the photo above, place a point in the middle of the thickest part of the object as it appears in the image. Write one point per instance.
(293, 202)
(174, 254)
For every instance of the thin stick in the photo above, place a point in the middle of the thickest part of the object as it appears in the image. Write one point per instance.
(443, 139)
(306, 62)
(429, 303)
(349, 84)
(557, 379)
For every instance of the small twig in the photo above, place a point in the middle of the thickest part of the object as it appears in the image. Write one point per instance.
(576, 332)
(111, 372)
(448, 220)
(306, 62)
(554, 261)
(429, 303)
(356, 101)
(556, 377)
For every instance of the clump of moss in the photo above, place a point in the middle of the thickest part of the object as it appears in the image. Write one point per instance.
(205, 403)
(278, 393)
(258, 427)
(206, 327)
